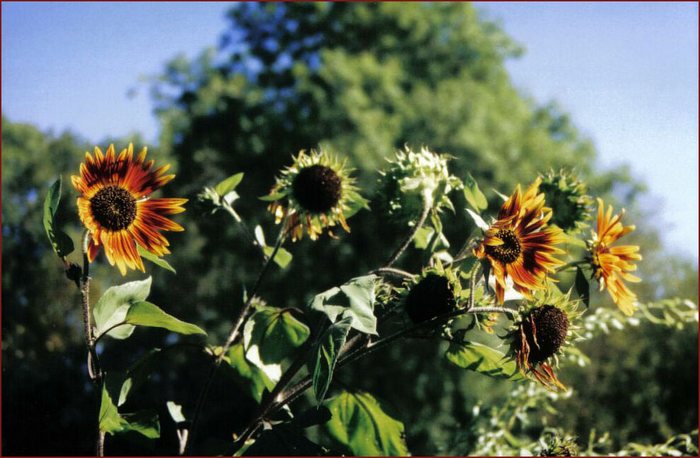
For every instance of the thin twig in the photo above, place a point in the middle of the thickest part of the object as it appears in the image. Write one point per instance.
(391, 271)
(492, 310)
(412, 233)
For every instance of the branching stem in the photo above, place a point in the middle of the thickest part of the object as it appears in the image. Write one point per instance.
(412, 233)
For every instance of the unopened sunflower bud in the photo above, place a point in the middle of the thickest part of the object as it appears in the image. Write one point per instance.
(566, 195)
(431, 297)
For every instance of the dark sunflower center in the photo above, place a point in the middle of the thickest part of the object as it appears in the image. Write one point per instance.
(509, 250)
(548, 334)
(113, 207)
(432, 296)
(317, 188)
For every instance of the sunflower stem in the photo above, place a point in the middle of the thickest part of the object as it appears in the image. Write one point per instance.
(233, 335)
(412, 233)
(390, 271)
(93, 362)
(492, 310)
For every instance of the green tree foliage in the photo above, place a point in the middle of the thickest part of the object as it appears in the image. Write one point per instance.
(361, 80)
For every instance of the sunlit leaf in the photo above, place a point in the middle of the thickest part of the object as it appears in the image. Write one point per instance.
(473, 194)
(111, 309)
(61, 243)
(147, 314)
(478, 220)
(112, 422)
(360, 424)
(175, 411)
(273, 197)
(485, 360)
(326, 355)
(282, 257)
(256, 381)
(355, 298)
(160, 262)
(229, 184)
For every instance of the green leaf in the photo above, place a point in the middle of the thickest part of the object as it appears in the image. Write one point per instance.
(270, 336)
(282, 258)
(583, 287)
(355, 298)
(256, 379)
(423, 237)
(147, 314)
(112, 422)
(485, 360)
(326, 355)
(160, 262)
(478, 220)
(61, 243)
(228, 185)
(114, 305)
(355, 203)
(175, 411)
(360, 424)
(473, 194)
(282, 440)
(273, 197)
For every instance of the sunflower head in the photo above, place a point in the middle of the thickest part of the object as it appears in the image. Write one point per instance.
(434, 293)
(412, 179)
(116, 208)
(519, 245)
(567, 197)
(540, 332)
(314, 193)
(613, 263)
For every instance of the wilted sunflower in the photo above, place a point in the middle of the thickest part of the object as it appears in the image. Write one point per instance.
(540, 331)
(520, 245)
(434, 293)
(315, 192)
(566, 196)
(612, 264)
(114, 205)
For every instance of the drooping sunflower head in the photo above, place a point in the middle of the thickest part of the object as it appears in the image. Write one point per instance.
(434, 293)
(115, 206)
(520, 245)
(566, 195)
(412, 179)
(540, 331)
(612, 264)
(314, 193)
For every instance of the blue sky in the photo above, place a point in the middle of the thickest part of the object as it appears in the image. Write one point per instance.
(627, 73)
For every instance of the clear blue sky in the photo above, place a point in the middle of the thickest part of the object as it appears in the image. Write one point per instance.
(627, 72)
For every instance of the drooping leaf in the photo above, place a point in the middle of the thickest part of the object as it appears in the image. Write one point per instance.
(485, 360)
(473, 194)
(61, 243)
(147, 314)
(111, 309)
(255, 379)
(360, 424)
(270, 336)
(478, 220)
(112, 422)
(583, 287)
(326, 354)
(229, 184)
(160, 262)
(355, 299)
(282, 257)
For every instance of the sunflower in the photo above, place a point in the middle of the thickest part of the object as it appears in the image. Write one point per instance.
(541, 330)
(115, 207)
(612, 264)
(434, 293)
(520, 245)
(314, 193)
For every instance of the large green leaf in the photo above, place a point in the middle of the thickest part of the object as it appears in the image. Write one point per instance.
(61, 243)
(111, 309)
(229, 184)
(485, 360)
(160, 262)
(282, 257)
(256, 381)
(148, 314)
(270, 336)
(360, 424)
(353, 299)
(473, 194)
(325, 356)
